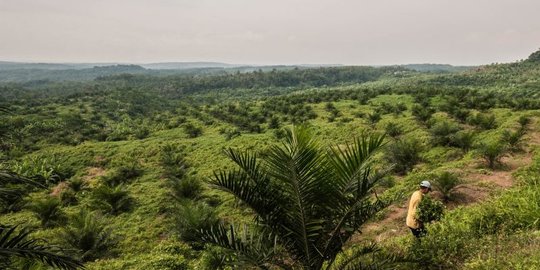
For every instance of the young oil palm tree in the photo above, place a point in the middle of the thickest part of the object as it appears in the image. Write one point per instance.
(308, 200)
(15, 243)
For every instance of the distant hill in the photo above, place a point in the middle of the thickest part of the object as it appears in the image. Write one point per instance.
(437, 67)
(52, 74)
(187, 65)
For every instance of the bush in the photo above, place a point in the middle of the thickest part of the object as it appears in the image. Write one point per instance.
(188, 187)
(193, 217)
(68, 197)
(492, 152)
(393, 129)
(514, 139)
(463, 139)
(48, 211)
(128, 170)
(374, 117)
(483, 121)
(87, 236)
(76, 184)
(404, 154)
(524, 122)
(192, 131)
(112, 200)
(443, 132)
(429, 210)
(422, 113)
(172, 158)
(446, 183)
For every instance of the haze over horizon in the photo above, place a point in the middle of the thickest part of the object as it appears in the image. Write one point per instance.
(348, 32)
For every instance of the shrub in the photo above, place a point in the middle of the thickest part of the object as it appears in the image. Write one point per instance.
(483, 121)
(422, 113)
(48, 211)
(192, 218)
(188, 187)
(112, 200)
(443, 132)
(172, 158)
(524, 121)
(192, 131)
(404, 154)
(446, 183)
(68, 197)
(374, 117)
(87, 236)
(463, 139)
(492, 152)
(429, 210)
(514, 139)
(393, 129)
(76, 184)
(129, 170)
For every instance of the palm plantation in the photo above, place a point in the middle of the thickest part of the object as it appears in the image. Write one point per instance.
(308, 201)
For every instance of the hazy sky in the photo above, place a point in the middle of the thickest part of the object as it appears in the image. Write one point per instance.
(362, 32)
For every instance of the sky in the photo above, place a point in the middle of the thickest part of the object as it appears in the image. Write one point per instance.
(350, 32)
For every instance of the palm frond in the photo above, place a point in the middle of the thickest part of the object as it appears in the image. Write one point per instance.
(352, 160)
(16, 244)
(357, 259)
(255, 247)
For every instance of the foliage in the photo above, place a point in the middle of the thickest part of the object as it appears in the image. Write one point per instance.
(404, 154)
(463, 139)
(393, 129)
(447, 182)
(443, 132)
(87, 236)
(307, 200)
(188, 187)
(15, 244)
(429, 210)
(12, 189)
(514, 139)
(112, 200)
(190, 219)
(48, 211)
(492, 152)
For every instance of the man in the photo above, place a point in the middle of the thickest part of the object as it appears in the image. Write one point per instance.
(417, 228)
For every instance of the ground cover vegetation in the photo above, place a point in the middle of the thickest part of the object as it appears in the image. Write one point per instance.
(300, 168)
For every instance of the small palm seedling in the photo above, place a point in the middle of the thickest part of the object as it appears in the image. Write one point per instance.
(442, 132)
(187, 187)
(87, 236)
(193, 217)
(524, 122)
(112, 200)
(404, 154)
(393, 129)
(514, 139)
(76, 184)
(492, 152)
(463, 139)
(447, 183)
(15, 244)
(48, 211)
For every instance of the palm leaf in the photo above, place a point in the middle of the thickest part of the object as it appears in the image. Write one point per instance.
(252, 246)
(16, 244)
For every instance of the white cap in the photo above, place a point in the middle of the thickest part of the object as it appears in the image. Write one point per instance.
(426, 184)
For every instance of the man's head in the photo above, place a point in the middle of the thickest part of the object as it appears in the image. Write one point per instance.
(425, 186)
